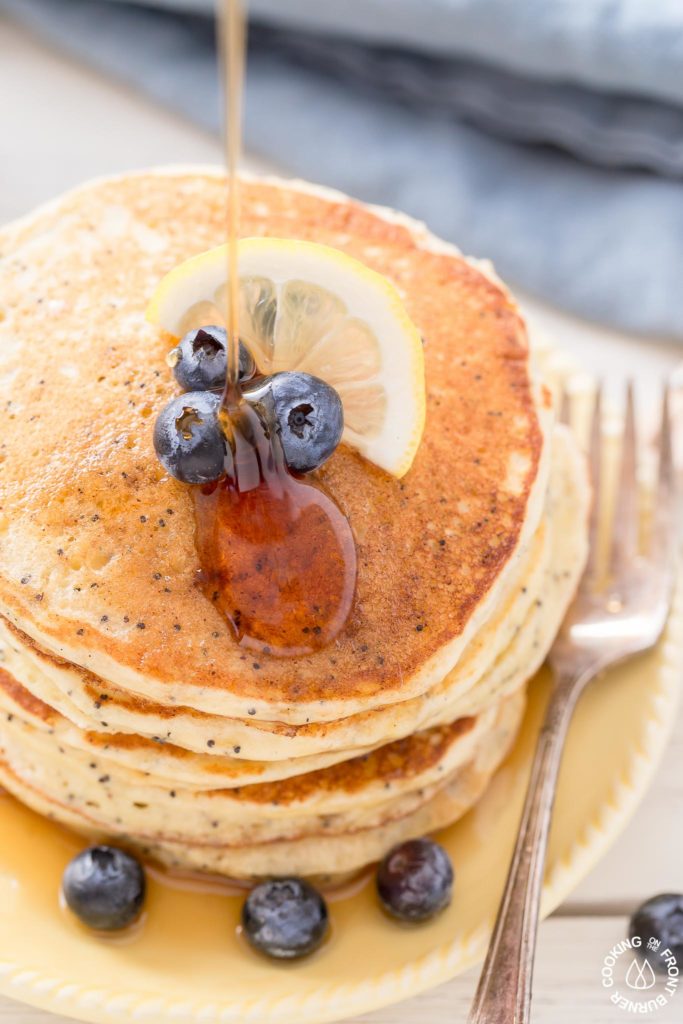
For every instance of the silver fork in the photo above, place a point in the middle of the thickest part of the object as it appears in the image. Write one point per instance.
(615, 615)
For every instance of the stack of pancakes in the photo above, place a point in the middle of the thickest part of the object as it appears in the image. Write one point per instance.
(128, 708)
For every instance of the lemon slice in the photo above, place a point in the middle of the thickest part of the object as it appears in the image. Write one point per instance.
(311, 308)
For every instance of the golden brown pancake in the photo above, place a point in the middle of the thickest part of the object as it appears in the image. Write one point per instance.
(97, 554)
(393, 787)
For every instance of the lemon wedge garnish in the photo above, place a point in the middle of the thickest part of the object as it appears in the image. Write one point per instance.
(312, 308)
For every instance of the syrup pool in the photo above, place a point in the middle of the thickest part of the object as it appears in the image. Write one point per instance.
(277, 554)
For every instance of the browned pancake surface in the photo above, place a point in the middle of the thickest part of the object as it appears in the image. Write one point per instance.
(97, 542)
(395, 762)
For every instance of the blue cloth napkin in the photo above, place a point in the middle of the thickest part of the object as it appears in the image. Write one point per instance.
(545, 134)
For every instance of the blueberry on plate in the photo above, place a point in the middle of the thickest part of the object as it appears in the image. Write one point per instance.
(660, 918)
(306, 412)
(415, 880)
(104, 887)
(188, 438)
(285, 918)
(199, 360)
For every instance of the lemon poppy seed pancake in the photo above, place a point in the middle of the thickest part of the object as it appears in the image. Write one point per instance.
(97, 553)
(127, 706)
(327, 822)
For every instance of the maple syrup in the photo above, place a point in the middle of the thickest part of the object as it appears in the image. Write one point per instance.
(277, 554)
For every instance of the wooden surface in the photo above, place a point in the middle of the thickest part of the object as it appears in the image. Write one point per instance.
(61, 124)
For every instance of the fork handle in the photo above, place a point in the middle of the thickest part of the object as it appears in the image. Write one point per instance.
(504, 992)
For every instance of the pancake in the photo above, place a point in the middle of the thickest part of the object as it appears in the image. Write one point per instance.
(97, 554)
(390, 787)
(163, 760)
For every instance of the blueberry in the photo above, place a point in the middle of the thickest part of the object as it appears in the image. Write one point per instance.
(104, 887)
(306, 412)
(415, 880)
(188, 438)
(200, 360)
(285, 918)
(660, 918)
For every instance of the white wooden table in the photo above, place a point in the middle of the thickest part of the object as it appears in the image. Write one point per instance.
(61, 124)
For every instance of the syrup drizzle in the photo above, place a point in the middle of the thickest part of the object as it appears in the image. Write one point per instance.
(277, 554)
(233, 40)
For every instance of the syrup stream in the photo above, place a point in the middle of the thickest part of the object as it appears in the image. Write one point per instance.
(233, 40)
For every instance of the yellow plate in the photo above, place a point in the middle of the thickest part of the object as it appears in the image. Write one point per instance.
(187, 962)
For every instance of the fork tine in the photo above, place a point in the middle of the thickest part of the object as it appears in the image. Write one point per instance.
(666, 462)
(626, 515)
(595, 465)
(664, 518)
(565, 408)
